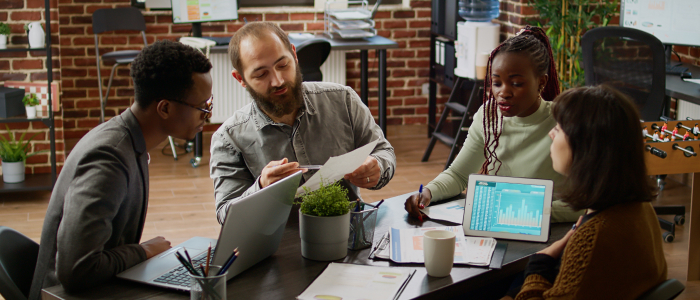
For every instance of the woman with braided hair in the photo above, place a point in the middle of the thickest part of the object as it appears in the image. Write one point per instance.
(508, 136)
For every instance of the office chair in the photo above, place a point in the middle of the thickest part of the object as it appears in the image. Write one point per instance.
(18, 255)
(667, 290)
(629, 60)
(111, 19)
(312, 54)
(633, 62)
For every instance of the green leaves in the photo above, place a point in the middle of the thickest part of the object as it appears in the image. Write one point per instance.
(565, 21)
(4, 28)
(328, 200)
(15, 150)
(30, 100)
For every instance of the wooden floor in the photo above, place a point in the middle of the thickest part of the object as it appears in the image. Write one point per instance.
(181, 201)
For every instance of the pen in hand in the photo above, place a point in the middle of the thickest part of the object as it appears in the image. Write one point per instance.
(420, 204)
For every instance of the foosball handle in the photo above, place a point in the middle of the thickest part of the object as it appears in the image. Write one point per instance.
(656, 151)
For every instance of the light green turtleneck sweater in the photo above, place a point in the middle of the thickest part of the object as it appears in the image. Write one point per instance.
(523, 149)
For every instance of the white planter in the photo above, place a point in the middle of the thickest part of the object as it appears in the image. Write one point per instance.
(36, 35)
(324, 238)
(13, 172)
(31, 112)
(3, 41)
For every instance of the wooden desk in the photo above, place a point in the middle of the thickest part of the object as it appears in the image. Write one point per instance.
(286, 274)
(364, 44)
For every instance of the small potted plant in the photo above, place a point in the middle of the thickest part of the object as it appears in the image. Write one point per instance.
(324, 223)
(13, 153)
(4, 33)
(30, 102)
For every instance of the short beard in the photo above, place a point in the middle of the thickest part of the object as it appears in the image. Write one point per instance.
(284, 104)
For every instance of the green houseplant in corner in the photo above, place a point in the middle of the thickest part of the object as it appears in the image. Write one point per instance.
(324, 223)
(4, 33)
(30, 102)
(13, 153)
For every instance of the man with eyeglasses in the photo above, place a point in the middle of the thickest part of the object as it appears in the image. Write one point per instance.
(289, 123)
(93, 225)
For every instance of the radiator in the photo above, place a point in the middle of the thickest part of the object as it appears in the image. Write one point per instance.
(229, 95)
(687, 109)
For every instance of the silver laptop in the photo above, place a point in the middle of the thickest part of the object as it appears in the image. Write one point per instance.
(254, 225)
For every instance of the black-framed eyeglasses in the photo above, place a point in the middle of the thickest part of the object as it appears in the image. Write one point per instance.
(207, 111)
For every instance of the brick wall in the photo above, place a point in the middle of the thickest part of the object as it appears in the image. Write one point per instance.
(407, 66)
(31, 67)
(74, 55)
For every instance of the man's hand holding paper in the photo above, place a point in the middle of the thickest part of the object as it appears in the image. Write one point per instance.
(367, 175)
(337, 167)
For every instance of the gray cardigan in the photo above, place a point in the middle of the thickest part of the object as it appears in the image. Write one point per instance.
(97, 210)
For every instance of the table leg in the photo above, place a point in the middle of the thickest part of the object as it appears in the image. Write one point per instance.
(382, 90)
(364, 90)
(693, 229)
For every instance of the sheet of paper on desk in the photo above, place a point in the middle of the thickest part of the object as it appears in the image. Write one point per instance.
(452, 211)
(696, 81)
(348, 281)
(337, 166)
(407, 246)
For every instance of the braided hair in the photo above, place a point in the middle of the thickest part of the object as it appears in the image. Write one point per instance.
(533, 42)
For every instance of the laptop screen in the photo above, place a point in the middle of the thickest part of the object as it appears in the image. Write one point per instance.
(508, 207)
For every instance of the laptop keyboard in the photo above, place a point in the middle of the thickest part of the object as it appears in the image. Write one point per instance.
(180, 276)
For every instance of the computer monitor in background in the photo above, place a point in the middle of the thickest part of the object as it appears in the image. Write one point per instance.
(673, 22)
(199, 11)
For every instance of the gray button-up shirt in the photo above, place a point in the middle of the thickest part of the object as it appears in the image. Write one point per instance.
(333, 121)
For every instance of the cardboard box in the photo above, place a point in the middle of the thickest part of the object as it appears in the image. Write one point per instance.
(11, 102)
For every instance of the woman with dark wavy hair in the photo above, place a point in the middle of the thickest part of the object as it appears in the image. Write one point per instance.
(614, 251)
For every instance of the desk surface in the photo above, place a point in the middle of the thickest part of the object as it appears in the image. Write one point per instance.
(286, 274)
(375, 42)
(679, 89)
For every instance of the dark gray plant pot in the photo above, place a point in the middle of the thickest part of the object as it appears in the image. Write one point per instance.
(324, 238)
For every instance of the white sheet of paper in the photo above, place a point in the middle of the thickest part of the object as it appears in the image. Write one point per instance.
(692, 80)
(407, 246)
(337, 166)
(348, 281)
(452, 211)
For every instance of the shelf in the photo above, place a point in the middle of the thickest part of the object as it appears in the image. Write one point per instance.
(22, 49)
(19, 119)
(32, 182)
(37, 182)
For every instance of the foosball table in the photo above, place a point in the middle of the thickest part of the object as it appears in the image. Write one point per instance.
(671, 148)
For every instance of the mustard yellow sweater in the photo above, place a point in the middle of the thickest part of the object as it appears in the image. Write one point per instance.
(616, 254)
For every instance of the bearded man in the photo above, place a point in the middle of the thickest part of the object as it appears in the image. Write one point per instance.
(289, 123)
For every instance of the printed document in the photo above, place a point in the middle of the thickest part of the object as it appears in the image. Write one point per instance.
(337, 166)
(348, 281)
(452, 211)
(407, 246)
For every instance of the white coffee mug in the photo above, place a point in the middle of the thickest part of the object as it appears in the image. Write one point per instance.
(439, 252)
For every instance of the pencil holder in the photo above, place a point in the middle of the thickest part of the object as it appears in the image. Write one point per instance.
(212, 287)
(362, 226)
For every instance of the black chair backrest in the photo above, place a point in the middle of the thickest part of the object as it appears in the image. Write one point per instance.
(667, 290)
(312, 54)
(18, 255)
(630, 60)
(110, 19)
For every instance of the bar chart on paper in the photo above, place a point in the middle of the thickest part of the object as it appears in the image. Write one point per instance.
(507, 207)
